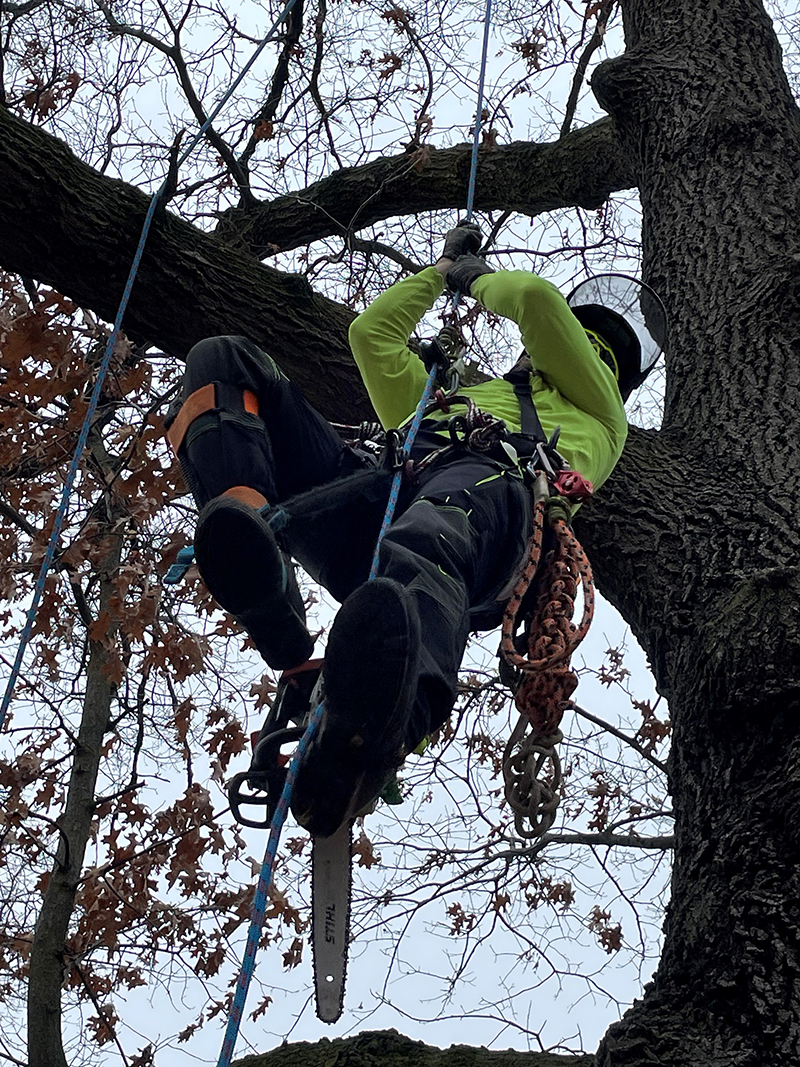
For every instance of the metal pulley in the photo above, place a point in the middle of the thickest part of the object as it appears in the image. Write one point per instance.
(445, 351)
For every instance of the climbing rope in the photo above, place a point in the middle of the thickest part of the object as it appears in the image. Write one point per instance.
(102, 369)
(545, 681)
(262, 893)
(430, 385)
(276, 826)
(473, 166)
(397, 480)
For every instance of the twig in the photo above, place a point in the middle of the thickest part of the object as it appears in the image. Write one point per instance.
(583, 63)
(5, 1053)
(622, 737)
(495, 230)
(99, 1009)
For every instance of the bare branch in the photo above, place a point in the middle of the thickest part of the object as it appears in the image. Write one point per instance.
(380, 249)
(22, 9)
(280, 77)
(581, 169)
(14, 516)
(621, 736)
(580, 71)
(313, 85)
(175, 55)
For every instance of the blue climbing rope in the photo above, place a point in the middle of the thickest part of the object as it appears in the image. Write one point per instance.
(413, 428)
(102, 371)
(473, 166)
(262, 894)
(394, 492)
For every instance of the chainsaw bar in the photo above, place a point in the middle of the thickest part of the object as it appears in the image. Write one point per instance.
(331, 875)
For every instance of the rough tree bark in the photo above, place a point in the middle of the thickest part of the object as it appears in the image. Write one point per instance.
(695, 537)
(390, 1049)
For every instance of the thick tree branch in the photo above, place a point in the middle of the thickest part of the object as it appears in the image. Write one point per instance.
(387, 1048)
(75, 229)
(581, 169)
(18, 520)
(71, 227)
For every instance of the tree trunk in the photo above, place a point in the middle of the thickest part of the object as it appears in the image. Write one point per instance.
(696, 536)
(48, 962)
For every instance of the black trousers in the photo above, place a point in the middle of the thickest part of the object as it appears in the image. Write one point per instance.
(457, 537)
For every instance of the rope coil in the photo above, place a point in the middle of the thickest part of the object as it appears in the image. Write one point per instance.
(544, 680)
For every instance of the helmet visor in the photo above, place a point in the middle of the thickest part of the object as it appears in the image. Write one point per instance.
(635, 302)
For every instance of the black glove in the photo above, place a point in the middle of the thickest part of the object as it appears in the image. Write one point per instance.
(464, 272)
(464, 237)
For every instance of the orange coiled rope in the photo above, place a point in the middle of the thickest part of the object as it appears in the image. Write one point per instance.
(544, 680)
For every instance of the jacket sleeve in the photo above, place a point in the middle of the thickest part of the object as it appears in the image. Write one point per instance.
(556, 343)
(394, 376)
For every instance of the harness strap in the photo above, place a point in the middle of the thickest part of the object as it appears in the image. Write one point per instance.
(529, 417)
(216, 396)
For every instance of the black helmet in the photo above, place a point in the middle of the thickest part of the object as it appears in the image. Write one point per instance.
(626, 321)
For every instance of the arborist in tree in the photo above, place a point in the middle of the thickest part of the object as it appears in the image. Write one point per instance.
(246, 438)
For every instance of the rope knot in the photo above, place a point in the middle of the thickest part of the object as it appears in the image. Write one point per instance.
(559, 509)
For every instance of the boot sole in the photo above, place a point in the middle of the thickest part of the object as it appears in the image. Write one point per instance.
(367, 698)
(243, 568)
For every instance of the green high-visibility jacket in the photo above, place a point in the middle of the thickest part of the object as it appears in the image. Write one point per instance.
(572, 387)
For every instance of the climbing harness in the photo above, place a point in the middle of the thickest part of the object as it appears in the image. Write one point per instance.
(540, 676)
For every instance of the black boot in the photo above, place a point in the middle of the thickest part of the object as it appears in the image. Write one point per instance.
(370, 680)
(248, 575)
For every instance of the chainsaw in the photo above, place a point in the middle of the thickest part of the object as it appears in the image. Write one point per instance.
(260, 787)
